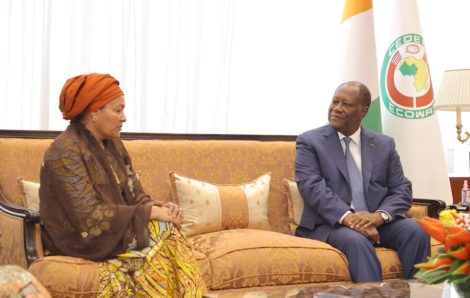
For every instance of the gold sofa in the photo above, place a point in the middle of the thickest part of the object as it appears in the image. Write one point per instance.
(232, 260)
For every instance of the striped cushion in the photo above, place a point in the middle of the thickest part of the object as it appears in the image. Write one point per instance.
(215, 207)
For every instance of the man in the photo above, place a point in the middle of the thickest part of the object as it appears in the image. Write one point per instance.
(355, 193)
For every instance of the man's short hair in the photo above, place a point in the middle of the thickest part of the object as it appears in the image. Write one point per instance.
(364, 92)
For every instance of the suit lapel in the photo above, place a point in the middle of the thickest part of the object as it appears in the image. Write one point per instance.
(367, 156)
(333, 146)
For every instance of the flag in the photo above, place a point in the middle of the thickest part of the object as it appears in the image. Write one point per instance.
(407, 98)
(359, 60)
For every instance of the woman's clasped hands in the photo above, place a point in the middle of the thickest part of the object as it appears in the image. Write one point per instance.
(169, 212)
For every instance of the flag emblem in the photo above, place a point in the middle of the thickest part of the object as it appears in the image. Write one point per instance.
(406, 88)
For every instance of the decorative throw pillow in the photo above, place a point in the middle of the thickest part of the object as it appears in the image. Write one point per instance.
(30, 191)
(295, 204)
(215, 207)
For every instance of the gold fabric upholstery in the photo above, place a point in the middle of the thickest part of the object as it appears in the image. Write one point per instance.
(205, 266)
(418, 211)
(391, 266)
(20, 158)
(67, 276)
(11, 241)
(228, 259)
(247, 258)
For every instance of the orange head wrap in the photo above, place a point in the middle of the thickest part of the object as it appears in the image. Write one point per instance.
(87, 93)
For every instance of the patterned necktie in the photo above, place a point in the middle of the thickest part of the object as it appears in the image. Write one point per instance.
(357, 188)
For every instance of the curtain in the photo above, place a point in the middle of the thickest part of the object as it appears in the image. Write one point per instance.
(172, 59)
(196, 66)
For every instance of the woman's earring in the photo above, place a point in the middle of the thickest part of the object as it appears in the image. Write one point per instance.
(95, 118)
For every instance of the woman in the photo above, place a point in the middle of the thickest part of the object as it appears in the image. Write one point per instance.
(93, 206)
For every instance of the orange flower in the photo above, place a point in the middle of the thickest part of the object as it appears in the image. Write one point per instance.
(457, 243)
(462, 253)
(460, 235)
(445, 262)
(452, 262)
(451, 244)
(462, 269)
(434, 228)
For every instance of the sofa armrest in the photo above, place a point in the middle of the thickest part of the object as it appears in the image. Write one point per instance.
(19, 228)
(433, 206)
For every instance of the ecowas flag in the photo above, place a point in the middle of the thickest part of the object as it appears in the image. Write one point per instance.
(408, 103)
(358, 59)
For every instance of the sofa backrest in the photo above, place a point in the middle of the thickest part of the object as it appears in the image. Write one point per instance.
(226, 161)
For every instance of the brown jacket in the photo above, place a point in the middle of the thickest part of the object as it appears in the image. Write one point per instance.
(84, 211)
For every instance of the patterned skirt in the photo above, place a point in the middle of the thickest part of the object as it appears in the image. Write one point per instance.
(164, 269)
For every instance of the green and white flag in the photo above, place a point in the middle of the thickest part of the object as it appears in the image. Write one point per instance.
(358, 59)
(408, 101)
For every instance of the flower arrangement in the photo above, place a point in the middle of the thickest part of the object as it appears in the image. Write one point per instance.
(452, 262)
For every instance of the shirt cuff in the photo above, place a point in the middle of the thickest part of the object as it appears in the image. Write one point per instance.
(340, 221)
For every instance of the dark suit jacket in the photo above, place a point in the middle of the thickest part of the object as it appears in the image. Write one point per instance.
(322, 177)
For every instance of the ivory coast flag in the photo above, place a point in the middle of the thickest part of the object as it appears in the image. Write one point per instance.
(408, 101)
(358, 58)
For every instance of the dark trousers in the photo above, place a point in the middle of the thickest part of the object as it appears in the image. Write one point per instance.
(403, 235)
